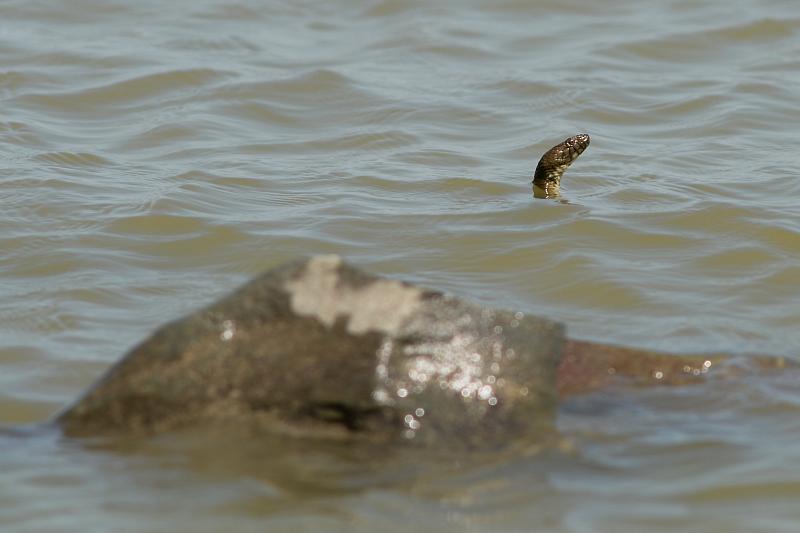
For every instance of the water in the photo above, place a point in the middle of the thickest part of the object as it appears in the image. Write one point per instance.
(153, 157)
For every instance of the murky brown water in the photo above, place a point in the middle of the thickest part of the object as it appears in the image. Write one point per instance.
(154, 156)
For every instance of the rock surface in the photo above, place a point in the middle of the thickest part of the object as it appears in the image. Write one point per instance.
(319, 348)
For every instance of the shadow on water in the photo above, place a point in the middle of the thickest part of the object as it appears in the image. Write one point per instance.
(238, 458)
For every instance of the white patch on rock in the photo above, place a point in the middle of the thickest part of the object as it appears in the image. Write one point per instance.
(381, 306)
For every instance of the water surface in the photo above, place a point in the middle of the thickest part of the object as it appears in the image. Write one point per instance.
(153, 157)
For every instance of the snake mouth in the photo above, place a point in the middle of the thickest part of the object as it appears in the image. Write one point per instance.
(557, 159)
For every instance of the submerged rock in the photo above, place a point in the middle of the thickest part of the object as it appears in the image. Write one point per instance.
(319, 348)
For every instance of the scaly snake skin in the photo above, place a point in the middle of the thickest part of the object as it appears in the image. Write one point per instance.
(556, 160)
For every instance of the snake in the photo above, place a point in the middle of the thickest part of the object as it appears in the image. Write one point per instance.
(555, 162)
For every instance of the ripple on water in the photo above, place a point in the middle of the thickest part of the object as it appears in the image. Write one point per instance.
(125, 93)
(73, 159)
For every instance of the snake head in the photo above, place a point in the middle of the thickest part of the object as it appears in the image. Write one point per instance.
(557, 159)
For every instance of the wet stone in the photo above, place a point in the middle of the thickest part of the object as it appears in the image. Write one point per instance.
(318, 348)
